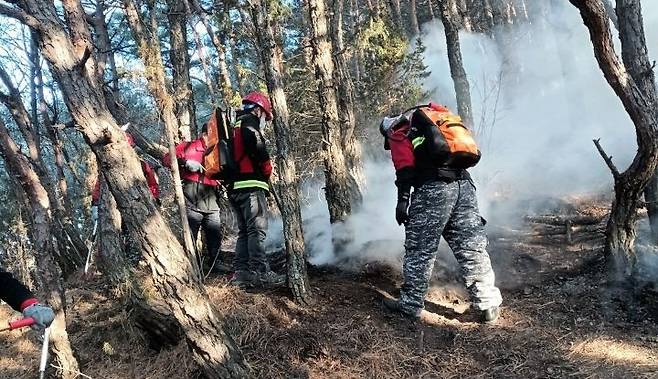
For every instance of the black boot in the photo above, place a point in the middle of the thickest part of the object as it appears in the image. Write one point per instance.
(489, 316)
(395, 306)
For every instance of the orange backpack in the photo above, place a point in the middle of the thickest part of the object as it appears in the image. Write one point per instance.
(218, 160)
(446, 138)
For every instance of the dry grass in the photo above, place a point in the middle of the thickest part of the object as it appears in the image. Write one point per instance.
(558, 322)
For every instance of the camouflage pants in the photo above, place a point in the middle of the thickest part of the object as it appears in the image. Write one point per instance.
(448, 209)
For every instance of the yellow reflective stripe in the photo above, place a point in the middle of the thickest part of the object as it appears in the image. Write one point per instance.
(251, 184)
(418, 141)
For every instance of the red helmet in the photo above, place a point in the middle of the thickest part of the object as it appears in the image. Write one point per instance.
(261, 100)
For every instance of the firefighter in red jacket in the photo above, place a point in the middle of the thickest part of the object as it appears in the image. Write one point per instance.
(247, 192)
(21, 299)
(202, 196)
(443, 203)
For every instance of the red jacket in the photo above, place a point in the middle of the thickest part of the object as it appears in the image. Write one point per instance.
(151, 180)
(250, 152)
(190, 150)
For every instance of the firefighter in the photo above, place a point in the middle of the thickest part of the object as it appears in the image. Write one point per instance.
(21, 299)
(443, 203)
(202, 196)
(247, 191)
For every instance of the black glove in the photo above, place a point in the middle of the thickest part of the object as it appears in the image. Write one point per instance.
(401, 210)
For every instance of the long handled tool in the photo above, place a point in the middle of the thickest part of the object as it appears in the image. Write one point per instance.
(29, 321)
(91, 246)
(44, 354)
(22, 323)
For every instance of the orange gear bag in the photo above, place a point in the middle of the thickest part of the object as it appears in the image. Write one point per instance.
(445, 137)
(218, 158)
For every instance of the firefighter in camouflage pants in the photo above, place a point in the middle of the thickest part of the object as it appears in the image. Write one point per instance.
(443, 204)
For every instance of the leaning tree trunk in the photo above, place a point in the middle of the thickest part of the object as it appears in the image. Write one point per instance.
(337, 179)
(48, 276)
(459, 78)
(147, 310)
(345, 91)
(286, 183)
(70, 255)
(172, 270)
(180, 62)
(149, 51)
(641, 104)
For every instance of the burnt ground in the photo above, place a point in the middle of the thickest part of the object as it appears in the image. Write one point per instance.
(560, 320)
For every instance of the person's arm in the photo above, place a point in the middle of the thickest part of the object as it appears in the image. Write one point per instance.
(14, 292)
(256, 149)
(151, 179)
(180, 155)
(402, 153)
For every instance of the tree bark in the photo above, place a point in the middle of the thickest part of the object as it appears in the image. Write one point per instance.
(345, 95)
(172, 270)
(286, 183)
(70, 256)
(640, 101)
(48, 276)
(180, 62)
(149, 51)
(396, 14)
(148, 312)
(459, 78)
(337, 188)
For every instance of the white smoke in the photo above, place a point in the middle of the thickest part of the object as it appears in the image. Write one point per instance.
(535, 128)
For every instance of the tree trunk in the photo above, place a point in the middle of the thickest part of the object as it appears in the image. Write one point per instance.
(149, 313)
(70, 256)
(48, 275)
(337, 188)
(459, 78)
(636, 59)
(224, 76)
(638, 95)
(396, 14)
(413, 17)
(149, 51)
(201, 51)
(345, 95)
(286, 183)
(180, 62)
(172, 270)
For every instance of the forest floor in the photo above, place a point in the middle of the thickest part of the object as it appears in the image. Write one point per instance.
(559, 320)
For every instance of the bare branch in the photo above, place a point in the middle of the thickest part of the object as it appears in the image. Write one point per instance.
(20, 15)
(607, 159)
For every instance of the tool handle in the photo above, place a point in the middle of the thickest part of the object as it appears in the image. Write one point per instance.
(29, 321)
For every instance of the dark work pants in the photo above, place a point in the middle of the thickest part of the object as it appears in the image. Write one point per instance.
(250, 209)
(211, 224)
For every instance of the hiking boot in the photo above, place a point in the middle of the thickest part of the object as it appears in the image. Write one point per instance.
(242, 279)
(271, 278)
(395, 306)
(489, 316)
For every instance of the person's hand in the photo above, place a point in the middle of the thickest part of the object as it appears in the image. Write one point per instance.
(401, 211)
(94, 214)
(193, 166)
(42, 315)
